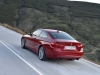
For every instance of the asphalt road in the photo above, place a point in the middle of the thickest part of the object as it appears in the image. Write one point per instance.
(17, 61)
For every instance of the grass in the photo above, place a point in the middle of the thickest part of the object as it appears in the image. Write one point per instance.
(12, 28)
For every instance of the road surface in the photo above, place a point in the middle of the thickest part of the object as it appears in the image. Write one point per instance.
(17, 61)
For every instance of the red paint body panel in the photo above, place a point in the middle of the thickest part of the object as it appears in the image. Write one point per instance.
(58, 51)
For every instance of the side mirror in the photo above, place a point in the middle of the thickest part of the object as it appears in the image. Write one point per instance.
(30, 34)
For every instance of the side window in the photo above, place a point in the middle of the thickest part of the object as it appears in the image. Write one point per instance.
(43, 35)
(37, 32)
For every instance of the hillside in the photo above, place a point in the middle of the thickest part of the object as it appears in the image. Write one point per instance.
(79, 19)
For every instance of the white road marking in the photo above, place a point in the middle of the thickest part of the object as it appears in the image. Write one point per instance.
(91, 62)
(31, 66)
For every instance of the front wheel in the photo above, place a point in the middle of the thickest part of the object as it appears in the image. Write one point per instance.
(23, 43)
(41, 54)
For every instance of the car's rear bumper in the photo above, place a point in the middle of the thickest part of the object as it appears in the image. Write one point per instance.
(59, 54)
(68, 54)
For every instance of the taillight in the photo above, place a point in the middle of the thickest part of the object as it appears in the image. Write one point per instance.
(80, 47)
(57, 45)
(54, 45)
(81, 50)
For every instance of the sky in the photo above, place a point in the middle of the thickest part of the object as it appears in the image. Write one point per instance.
(93, 1)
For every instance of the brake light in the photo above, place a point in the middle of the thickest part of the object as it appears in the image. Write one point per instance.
(80, 47)
(81, 50)
(56, 45)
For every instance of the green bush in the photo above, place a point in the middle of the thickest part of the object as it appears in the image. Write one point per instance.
(7, 13)
(91, 57)
(97, 55)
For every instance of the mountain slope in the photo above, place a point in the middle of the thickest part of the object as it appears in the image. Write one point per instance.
(79, 19)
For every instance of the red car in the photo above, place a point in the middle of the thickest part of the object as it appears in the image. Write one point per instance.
(48, 43)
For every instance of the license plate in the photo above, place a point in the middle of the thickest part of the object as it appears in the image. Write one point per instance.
(70, 47)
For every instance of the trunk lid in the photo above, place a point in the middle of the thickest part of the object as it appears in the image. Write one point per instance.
(69, 44)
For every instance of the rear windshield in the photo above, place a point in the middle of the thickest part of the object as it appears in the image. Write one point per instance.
(61, 35)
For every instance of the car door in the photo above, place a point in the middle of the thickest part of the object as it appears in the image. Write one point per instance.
(40, 39)
(34, 39)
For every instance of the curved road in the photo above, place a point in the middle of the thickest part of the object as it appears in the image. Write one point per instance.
(17, 61)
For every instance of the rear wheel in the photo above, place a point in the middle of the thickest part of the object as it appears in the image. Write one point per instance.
(23, 43)
(41, 53)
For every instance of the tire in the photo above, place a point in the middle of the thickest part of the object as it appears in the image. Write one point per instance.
(23, 43)
(41, 54)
